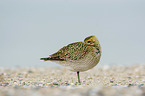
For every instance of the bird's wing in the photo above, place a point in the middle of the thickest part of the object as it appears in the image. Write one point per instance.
(73, 51)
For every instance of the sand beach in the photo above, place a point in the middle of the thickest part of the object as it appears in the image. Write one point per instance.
(99, 81)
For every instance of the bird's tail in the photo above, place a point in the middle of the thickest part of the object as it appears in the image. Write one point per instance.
(52, 58)
(45, 59)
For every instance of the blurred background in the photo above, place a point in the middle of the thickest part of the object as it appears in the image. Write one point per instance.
(30, 29)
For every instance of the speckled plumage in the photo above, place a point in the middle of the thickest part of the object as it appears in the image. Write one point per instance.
(78, 56)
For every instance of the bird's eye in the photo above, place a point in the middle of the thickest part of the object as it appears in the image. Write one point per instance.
(89, 42)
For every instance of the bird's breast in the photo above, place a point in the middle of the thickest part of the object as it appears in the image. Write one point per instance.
(88, 62)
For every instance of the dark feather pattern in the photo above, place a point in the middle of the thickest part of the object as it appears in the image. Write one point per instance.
(52, 58)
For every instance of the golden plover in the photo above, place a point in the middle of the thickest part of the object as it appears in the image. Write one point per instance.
(78, 56)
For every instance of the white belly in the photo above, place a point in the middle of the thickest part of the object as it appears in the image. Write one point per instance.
(85, 64)
(90, 61)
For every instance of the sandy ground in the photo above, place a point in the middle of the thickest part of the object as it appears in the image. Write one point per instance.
(103, 81)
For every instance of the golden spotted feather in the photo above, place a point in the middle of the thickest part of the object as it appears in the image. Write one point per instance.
(74, 51)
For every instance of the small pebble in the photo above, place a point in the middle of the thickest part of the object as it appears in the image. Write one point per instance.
(111, 81)
(5, 84)
(55, 83)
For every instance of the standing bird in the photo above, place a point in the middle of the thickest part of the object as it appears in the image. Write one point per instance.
(78, 56)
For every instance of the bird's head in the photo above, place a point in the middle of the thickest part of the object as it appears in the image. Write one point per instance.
(92, 41)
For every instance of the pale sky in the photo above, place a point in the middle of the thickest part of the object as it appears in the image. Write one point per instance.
(30, 29)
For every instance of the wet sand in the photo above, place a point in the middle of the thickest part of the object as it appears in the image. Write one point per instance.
(99, 81)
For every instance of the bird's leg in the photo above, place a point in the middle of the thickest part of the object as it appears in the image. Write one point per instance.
(78, 77)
